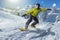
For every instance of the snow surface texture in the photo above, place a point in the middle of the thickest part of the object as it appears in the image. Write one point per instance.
(49, 27)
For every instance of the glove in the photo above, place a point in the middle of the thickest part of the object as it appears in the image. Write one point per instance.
(24, 15)
(49, 9)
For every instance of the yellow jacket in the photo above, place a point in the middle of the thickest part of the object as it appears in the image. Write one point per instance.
(34, 11)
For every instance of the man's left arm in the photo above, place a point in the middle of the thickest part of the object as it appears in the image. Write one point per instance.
(45, 9)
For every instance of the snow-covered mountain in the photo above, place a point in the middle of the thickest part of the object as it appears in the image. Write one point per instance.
(49, 28)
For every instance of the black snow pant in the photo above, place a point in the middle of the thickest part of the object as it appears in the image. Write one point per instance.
(30, 20)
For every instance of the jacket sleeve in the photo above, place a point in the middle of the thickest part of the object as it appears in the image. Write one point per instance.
(30, 11)
(43, 9)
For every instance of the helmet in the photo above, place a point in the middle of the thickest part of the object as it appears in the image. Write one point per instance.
(38, 4)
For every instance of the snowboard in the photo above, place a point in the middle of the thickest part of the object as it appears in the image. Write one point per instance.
(30, 28)
(23, 29)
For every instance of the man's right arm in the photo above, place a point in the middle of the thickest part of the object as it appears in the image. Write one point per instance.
(28, 12)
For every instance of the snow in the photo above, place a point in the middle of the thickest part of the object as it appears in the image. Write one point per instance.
(8, 20)
(49, 29)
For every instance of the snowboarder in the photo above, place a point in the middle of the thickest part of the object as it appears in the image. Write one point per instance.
(33, 15)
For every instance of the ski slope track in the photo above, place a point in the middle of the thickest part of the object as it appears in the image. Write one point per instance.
(49, 29)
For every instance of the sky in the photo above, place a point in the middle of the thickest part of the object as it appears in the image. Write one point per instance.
(23, 3)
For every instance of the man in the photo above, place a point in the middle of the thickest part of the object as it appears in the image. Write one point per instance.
(33, 15)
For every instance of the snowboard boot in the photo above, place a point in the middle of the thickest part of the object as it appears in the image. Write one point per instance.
(33, 26)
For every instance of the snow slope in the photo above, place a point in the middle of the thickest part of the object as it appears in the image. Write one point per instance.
(7, 20)
(9, 24)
